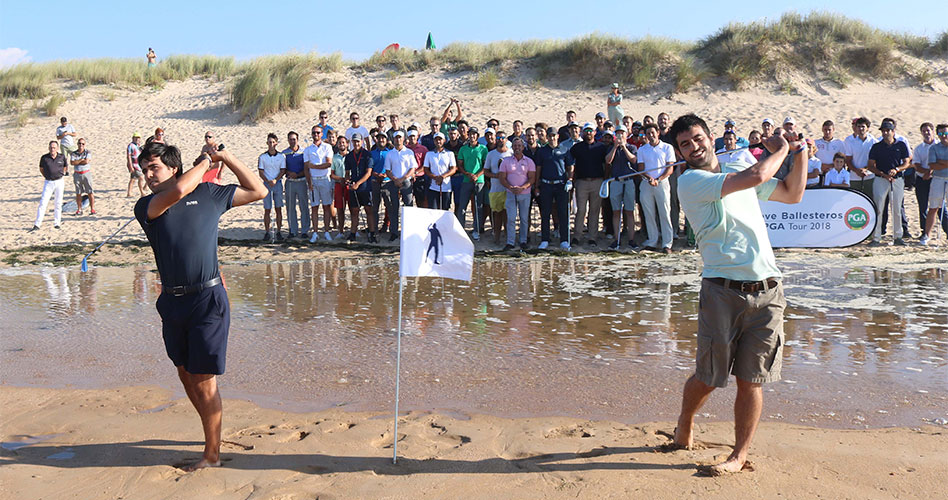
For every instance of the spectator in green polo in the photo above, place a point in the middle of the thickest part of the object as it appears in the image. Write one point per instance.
(470, 159)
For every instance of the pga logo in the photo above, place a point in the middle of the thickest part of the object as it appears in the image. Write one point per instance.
(856, 218)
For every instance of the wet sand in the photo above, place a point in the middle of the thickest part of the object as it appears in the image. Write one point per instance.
(124, 443)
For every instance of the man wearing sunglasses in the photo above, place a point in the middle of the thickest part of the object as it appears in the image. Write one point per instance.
(214, 173)
(938, 191)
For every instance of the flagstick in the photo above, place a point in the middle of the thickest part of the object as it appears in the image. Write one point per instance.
(398, 368)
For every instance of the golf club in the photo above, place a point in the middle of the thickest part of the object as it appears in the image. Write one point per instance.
(604, 189)
(85, 264)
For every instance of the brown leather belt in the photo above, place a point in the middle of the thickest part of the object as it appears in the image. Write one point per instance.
(746, 286)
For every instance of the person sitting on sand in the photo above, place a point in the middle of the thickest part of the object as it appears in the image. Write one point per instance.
(740, 311)
(180, 219)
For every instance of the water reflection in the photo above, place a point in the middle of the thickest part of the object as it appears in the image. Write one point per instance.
(549, 331)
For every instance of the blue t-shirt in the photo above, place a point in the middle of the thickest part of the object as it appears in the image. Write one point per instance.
(552, 162)
(621, 165)
(184, 238)
(378, 160)
(730, 231)
(326, 130)
(938, 152)
(888, 156)
(294, 161)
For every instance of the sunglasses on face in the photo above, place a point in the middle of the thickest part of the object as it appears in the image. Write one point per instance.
(206, 136)
(942, 134)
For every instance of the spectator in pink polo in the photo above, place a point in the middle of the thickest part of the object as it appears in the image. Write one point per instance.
(517, 175)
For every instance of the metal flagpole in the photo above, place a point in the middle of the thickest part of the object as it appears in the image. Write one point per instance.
(398, 367)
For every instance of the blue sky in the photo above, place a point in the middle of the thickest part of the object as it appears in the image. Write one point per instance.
(245, 29)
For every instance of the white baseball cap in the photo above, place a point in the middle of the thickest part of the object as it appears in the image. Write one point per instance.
(788, 120)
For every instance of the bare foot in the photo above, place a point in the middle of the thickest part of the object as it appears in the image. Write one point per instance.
(683, 438)
(200, 465)
(731, 466)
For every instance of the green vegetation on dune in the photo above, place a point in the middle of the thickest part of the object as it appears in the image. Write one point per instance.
(826, 44)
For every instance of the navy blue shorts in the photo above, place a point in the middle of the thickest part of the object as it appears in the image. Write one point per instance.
(195, 329)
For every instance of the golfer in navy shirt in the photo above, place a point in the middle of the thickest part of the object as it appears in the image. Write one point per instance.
(180, 219)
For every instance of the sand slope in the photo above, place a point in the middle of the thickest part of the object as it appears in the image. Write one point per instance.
(126, 441)
(186, 109)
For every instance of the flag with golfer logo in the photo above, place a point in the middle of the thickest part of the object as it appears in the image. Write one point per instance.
(434, 243)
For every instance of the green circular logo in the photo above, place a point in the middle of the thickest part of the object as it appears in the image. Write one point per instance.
(856, 218)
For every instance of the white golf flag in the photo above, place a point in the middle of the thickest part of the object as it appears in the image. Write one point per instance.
(434, 243)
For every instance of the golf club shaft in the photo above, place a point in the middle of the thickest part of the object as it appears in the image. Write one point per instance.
(109, 238)
(682, 162)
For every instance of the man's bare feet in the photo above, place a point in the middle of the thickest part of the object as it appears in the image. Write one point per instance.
(200, 465)
(683, 437)
(731, 466)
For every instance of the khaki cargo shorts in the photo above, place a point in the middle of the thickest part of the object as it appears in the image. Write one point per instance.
(739, 333)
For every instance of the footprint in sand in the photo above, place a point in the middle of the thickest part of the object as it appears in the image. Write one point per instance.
(443, 437)
(384, 441)
(569, 431)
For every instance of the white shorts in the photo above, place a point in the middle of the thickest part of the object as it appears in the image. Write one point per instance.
(321, 193)
(936, 193)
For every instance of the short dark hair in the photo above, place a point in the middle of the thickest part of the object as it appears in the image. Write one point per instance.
(169, 155)
(651, 125)
(926, 124)
(62, 119)
(862, 120)
(292, 133)
(684, 123)
(571, 112)
(518, 121)
(829, 122)
(459, 122)
(53, 142)
(942, 126)
(839, 155)
(271, 135)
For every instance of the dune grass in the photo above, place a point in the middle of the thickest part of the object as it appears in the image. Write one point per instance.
(817, 42)
(53, 104)
(831, 45)
(487, 79)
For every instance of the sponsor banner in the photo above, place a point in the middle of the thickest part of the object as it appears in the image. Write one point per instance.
(824, 218)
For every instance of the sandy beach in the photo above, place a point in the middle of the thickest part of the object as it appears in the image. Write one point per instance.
(126, 442)
(187, 109)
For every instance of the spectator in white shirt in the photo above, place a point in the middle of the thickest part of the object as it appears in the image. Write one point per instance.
(271, 166)
(655, 159)
(857, 156)
(440, 165)
(400, 165)
(837, 176)
(355, 128)
(827, 146)
(814, 166)
(317, 157)
(730, 144)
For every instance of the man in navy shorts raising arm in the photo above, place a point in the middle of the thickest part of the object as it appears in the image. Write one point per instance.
(180, 219)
